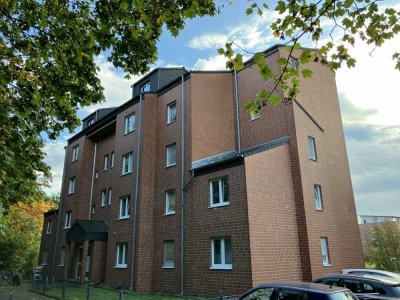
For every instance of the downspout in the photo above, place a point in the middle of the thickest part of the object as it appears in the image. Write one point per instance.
(237, 113)
(59, 215)
(182, 181)
(135, 209)
(93, 177)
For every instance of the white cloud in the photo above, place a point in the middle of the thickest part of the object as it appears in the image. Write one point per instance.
(207, 41)
(216, 62)
(55, 155)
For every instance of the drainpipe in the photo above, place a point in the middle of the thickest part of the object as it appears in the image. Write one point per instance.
(135, 212)
(182, 180)
(59, 214)
(237, 113)
(93, 177)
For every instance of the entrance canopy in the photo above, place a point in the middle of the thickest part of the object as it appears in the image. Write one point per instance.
(85, 230)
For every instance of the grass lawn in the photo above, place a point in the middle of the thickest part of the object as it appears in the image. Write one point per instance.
(106, 293)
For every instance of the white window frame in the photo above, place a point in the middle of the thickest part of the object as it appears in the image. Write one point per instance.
(62, 257)
(294, 63)
(45, 257)
(223, 265)
(90, 121)
(129, 159)
(145, 87)
(220, 192)
(170, 195)
(319, 204)
(106, 157)
(169, 255)
(93, 209)
(109, 196)
(170, 156)
(103, 198)
(112, 159)
(124, 206)
(124, 251)
(68, 217)
(48, 228)
(171, 108)
(312, 148)
(325, 251)
(255, 116)
(75, 153)
(71, 187)
(129, 124)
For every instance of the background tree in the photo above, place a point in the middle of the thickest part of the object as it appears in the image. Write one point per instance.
(20, 241)
(382, 247)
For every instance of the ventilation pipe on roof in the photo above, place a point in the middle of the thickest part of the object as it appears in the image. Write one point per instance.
(135, 207)
(182, 181)
(237, 113)
(59, 215)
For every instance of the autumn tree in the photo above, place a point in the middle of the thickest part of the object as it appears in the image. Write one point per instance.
(20, 241)
(382, 247)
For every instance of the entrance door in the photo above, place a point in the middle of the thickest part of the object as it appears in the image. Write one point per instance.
(79, 263)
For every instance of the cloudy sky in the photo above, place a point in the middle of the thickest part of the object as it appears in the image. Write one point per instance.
(369, 98)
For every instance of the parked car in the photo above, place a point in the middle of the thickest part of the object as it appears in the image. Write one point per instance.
(365, 286)
(371, 272)
(297, 291)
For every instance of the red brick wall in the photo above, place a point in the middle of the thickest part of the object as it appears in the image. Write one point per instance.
(274, 240)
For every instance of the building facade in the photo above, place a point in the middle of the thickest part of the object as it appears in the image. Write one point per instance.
(180, 190)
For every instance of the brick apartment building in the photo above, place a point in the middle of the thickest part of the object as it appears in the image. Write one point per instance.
(180, 190)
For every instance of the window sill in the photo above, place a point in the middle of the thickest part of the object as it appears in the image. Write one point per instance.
(105, 170)
(48, 233)
(226, 267)
(70, 193)
(120, 267)
(169, 214)
(67, 227)
(127, 173)
(219, 205)
(172, 122)
(125, 134)
(103, 205)
(313, 159)
(327, 265)
(123, 218)
(320, 210)
(255, 118)
(60, 266)
(164, 267)
(169, 166)
(44, 264)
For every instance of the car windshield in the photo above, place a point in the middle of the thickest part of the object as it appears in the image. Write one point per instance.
(343, 295)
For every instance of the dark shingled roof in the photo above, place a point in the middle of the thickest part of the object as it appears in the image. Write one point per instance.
(85, 230)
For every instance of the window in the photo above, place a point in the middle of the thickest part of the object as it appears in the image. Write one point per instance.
(318, 197)
(96, 174)
(171, 117)
(103, 198)
(169, 254)
(71, 188)
(48, 229)
(68, 217)
(255, 116)
(170, 202)
(171, 155)
(62, 256)
(45, 254)
(75, 153)
(112, 159)
(325, 251)
(286, 294)
(124, 207)
(93, 210)
(145, 88)
(127, 161)
(106, 162)
(311, 148)
(294, 63)
(90, 121)
(129, 123)
(109, 196)
(219, 192)
(122, 254)
(221, 253)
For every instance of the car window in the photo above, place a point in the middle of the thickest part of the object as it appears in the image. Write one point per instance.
(359, 287)
(260, 294)
(329, 281)
(343, 295)
(286, 294)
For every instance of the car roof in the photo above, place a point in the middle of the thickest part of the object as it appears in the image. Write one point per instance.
(386, 273)
(304, 286)
(366, 277)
